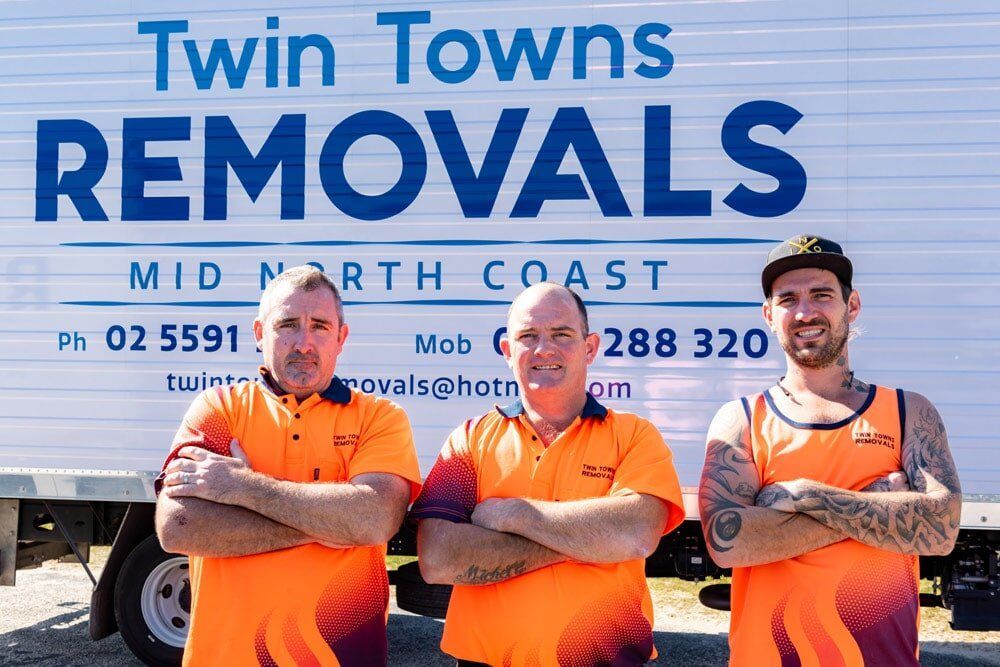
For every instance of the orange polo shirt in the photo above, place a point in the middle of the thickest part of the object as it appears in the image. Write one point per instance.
(307, 605)
(844, 604)
(568, 613)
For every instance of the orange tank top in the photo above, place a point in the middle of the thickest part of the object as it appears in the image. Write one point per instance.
(844, 604)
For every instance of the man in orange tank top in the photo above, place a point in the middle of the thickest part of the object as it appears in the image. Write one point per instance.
(284, 492)
(821, 491)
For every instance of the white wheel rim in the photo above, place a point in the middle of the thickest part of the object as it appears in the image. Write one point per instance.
(161, 602)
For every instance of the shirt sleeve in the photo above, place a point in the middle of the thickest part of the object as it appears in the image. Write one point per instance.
(451, 489)
(204, 425)
(648, 467)
(386, 446)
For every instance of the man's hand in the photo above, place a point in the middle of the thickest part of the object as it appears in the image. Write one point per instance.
(781, 496)
(495, 514)
(199, 473)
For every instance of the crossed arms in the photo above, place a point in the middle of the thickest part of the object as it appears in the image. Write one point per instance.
(217, 506)
(512, 536)
(915, 511)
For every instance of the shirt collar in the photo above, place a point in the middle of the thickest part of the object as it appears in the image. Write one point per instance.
(337, 392)
(590, 409)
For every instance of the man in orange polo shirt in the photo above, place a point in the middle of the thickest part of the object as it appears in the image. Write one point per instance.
(284, 493)
(821, 491)
(541, 513)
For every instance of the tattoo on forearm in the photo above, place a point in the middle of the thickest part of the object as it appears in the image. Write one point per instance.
(723, 529)
(722, 484)
(476, 575)
(769, 495)
(918, 525)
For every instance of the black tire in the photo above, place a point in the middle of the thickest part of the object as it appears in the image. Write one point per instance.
(152, 603)
(417, 596)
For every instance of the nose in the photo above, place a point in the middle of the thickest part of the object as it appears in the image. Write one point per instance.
(805, 311)
(305, 342)
(544, 347)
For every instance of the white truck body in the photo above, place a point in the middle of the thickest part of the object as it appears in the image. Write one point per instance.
(648, 155)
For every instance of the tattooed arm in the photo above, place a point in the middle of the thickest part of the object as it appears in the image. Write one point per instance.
(738, 533)
(463, 553)
(920, 522)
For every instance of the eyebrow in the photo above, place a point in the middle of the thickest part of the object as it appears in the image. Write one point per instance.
(812, 290)
(321, 320)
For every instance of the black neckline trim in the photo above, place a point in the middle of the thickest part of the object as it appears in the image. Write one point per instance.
(821, 427)
(592, 408)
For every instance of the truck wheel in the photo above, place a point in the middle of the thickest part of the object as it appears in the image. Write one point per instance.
(153, 603)
(415, 595)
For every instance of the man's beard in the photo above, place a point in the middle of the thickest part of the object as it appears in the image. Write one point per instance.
(817, 357)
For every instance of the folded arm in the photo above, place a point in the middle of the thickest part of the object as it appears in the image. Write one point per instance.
(923, 521)
(463, 553)
(738, 533)
(594, 530)
(365, 511)
(197, 527)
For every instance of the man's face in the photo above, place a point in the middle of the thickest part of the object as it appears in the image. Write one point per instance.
(808, 313)
(301, 338)
(546, 347)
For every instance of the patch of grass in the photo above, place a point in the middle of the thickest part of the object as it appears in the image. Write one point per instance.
(393, 562)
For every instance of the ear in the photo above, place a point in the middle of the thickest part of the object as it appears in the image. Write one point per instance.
(344, 331)
(258, 332)
(505, 348)
(593, 343)
(765, 309)
(853, 306)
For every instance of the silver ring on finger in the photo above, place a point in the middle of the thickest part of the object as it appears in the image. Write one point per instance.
(184, 478)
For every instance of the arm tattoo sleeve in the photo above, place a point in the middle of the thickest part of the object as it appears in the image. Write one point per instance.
(921, 522)
(723, 484)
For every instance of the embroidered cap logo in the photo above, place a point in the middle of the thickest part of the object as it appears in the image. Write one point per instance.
(805, 244)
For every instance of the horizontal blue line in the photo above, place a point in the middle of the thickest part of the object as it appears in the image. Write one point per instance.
(420, 242)
(415, 302)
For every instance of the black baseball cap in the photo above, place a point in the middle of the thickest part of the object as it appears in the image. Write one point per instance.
(806, 251)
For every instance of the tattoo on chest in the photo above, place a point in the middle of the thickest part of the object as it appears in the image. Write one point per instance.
(478, 575)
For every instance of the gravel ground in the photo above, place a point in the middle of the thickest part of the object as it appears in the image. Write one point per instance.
(43, 621)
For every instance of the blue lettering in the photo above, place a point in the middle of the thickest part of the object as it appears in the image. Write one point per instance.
(400, 195)
(487, 270)
(658, 198)
(477, 193)
(285, 146)
(570, 127)
(77, 184)
(402, 21)
(642, 44)
(204, 73)
(788, 171)
(610, 270)
(583, 35)
(296, 45)
(162, 30)
(473, 56)
(523, 45)
(576, 275)
(137, 169)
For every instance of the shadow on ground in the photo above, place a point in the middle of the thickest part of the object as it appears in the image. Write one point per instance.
(413, 642)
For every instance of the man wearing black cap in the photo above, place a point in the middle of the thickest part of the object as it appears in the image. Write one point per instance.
(821, 491)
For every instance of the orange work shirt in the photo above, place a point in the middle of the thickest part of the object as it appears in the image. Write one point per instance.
(308, 604)
(846, 603)
(569, 613)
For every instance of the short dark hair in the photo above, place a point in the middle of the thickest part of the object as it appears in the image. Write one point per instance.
(306, 278)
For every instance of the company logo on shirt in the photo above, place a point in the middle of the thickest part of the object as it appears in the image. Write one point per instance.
(869, 438)
(603, 472)
(345, 440)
